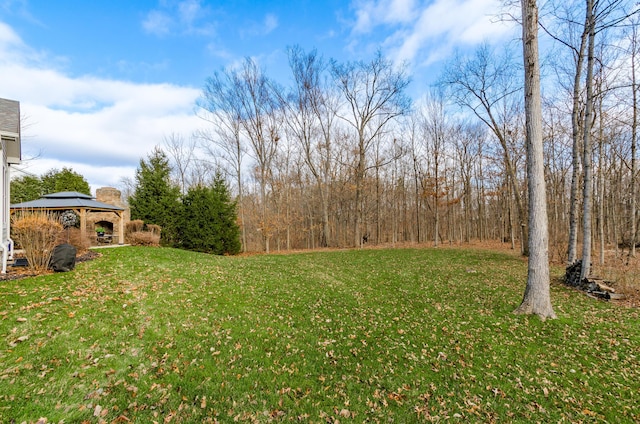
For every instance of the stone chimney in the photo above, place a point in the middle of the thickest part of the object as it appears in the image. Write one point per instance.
(110, 195)
(113, 196)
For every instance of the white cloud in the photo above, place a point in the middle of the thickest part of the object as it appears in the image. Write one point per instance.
(215, 49)
(183, 17)
(157, 23)
(108, 176)
(265, 27)
(18, 8)
(427, 31)
(11, 46)
(189, 11)
(371, 13)
(8, 36)
(101, 128)
(270, 23)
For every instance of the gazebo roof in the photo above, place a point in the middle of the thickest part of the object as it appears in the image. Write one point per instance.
(66, 200)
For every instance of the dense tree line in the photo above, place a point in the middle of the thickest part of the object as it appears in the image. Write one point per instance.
(340, 156)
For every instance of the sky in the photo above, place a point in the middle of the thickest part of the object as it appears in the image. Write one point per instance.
(102, 82)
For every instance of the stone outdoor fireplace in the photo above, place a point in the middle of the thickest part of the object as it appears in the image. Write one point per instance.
(109, 221)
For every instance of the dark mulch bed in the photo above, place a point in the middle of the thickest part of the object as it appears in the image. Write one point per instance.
(18, 272)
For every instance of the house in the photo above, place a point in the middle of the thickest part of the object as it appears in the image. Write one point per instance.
(11, 155)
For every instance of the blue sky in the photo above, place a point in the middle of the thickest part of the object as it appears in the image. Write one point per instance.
(102, 82)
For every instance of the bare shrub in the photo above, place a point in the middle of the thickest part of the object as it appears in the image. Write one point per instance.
(138, 233)
(155, 229)
(37, 234)
(143, 238)
(74, 237)
(134, 226)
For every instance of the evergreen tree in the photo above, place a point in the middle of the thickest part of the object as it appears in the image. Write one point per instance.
(208, 220)
(25, 189)
(155, 199)
(30, 187)
(54, 181)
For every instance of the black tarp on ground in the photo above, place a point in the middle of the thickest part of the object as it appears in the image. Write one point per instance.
(63, 258)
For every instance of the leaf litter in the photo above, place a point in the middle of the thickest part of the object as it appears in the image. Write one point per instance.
(407, 335)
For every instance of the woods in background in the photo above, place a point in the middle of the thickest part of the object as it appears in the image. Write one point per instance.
(340, 156)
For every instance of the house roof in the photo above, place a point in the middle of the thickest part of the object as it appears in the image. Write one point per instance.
(66, 200)
(9, 116)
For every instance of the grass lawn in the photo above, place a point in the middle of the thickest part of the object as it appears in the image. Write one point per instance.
(410, 335)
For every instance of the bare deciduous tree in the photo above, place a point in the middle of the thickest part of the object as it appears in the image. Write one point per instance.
(220, 106)
(181, 153)
(261, 120)
(311, 112)
(486, 86)
(566, 36)
(599, 16)
(435, 128)
(374, 94)
(537, 298)
(634, 51)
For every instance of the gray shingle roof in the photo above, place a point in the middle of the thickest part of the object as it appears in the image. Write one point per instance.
(66, 200)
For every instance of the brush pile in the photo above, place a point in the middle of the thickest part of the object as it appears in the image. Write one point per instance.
(594, 286)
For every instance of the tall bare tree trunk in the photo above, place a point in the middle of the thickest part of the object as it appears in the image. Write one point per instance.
(587, 191)
(436, 206)
(537, 298)
(634, 140)
(572, 248)
(418, 198)
(358, 221)
(482, 221)
(241, 210)
(601, 191)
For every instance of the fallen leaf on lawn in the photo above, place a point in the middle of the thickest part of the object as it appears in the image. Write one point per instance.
(169, 417)
(18, 340)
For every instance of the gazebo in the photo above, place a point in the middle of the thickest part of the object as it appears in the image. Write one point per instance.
(80, 203)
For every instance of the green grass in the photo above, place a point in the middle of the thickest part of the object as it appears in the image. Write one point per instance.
(410, 335)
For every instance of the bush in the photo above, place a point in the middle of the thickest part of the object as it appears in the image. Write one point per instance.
(207, 220)
(144, 238)
(155, 229)
(138, 233)
(37, 235)
(74, 237)
(133, 226)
